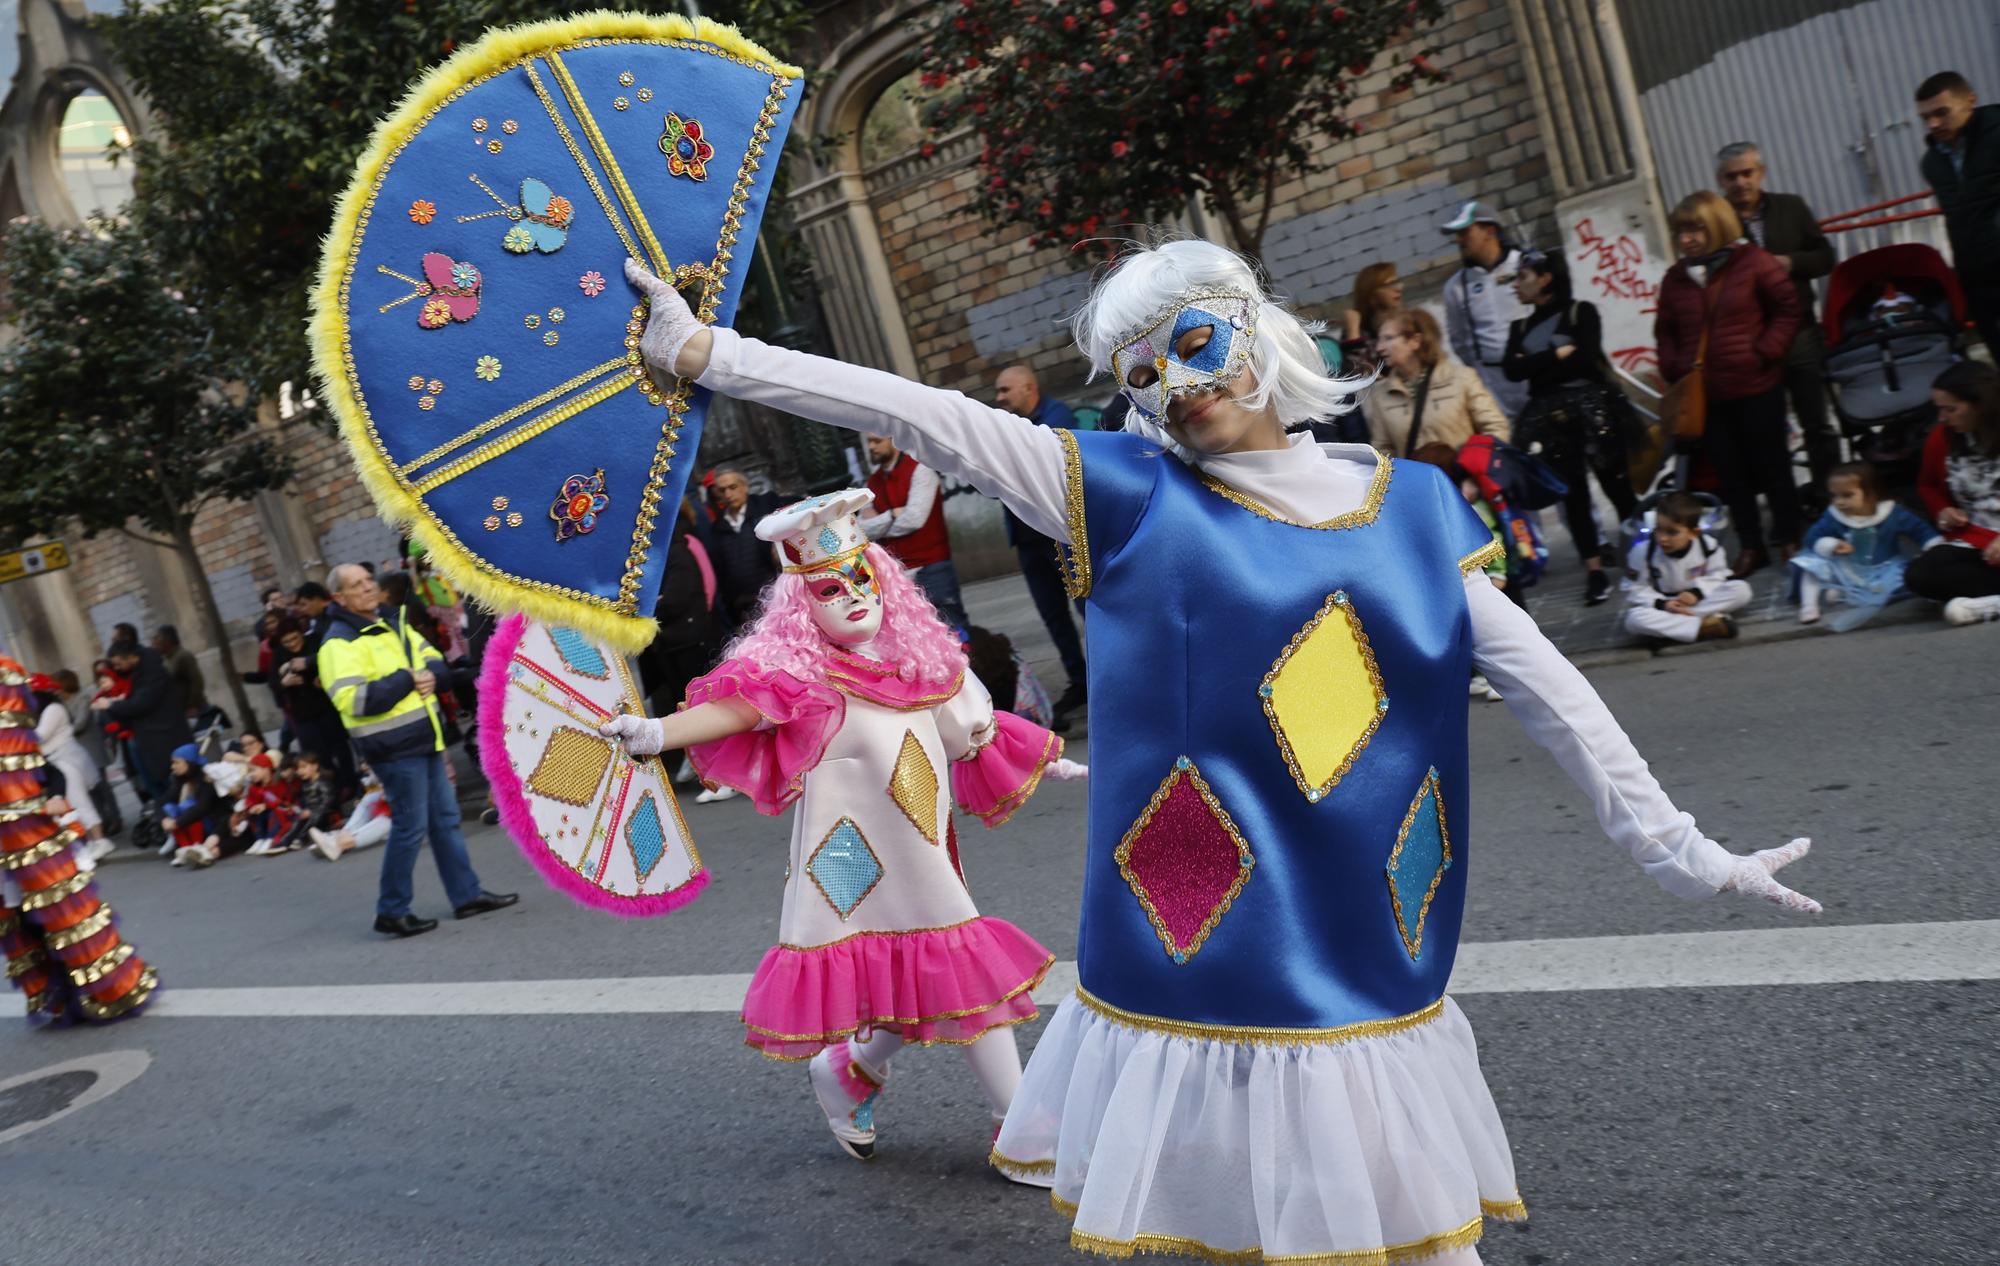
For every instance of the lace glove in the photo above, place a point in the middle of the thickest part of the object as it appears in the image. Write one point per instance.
(1062, 769)
(1752, 877)
(642, 736)
(668, 328)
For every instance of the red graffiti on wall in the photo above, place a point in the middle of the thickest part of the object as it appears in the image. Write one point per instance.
(1612, 268)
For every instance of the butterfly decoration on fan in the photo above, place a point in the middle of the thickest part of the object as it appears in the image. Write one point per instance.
(541, 219)
(449, 288)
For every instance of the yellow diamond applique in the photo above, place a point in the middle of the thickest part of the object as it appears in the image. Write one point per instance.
(913, 785)
(571, 767)
(1324, 697)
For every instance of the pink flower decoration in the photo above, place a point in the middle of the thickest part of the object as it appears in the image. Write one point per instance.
(591, 283)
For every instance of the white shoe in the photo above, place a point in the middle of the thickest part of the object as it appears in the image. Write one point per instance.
(204, 855)
(720, 793)
(261, 848)
(169, 848)
(1972, 610)
(686, 772)
(98, 850)
(1483, 689)
(847, 1096)
(181, 856)
(325, 843)
(1808, 615)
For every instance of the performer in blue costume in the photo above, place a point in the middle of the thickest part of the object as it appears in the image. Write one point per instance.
(1260, 1061)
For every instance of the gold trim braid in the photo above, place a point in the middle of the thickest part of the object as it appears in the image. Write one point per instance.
(1414, 1250)
(1361, 516)
(1253, 1036)
(1074, 562)
(1480, 557)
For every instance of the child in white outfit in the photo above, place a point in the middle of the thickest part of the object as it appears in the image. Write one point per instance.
(1679, 586)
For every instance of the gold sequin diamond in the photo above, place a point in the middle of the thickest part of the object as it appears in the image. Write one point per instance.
(571, 767)
(913, 785)
(1324, 697)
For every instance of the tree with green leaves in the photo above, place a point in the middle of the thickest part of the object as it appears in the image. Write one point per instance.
(264, 105)
(117, 411)
(1101, 114)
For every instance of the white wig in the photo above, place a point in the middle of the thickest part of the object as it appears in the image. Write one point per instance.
(1291, 376)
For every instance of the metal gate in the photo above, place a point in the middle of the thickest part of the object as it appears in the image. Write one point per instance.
(1825, 88)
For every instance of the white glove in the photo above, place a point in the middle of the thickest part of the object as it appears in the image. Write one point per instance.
(668, 328)
(1062, 769)
(642, 736)
(1752, 877)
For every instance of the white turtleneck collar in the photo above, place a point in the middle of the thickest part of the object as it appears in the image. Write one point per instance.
(1303, 481)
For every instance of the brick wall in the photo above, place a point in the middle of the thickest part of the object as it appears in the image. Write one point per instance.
(976, 299)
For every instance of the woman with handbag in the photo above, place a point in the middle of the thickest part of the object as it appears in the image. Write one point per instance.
(1573, 415)
(1727, 314)
(1424, 396)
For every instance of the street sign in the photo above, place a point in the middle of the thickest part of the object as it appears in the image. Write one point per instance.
(33, 561)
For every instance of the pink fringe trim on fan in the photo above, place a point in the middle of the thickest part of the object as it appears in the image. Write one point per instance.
(511, 799)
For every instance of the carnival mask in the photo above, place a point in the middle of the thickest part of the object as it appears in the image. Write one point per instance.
(846, 601)
(1199, 344)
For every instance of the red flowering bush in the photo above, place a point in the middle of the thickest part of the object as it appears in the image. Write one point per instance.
(1100, 114)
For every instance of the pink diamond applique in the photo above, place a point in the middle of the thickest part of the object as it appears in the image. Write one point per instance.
(1185, 860)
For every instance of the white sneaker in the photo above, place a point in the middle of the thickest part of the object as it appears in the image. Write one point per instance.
(169, 848)
(847, 1096)
(98, 850)
(325, 843)
(1972, 610)
(261, 848)
(720, 793)
(686, 772)
(181, 856)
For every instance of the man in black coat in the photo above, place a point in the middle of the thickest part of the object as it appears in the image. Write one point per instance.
(743, 564)
(1782, 224)
(154, 711)
(1963, 168)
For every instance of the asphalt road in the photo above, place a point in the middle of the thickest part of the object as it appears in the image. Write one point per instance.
(1838, 1123)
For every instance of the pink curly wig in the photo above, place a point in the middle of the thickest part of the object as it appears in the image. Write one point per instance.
(912, 639)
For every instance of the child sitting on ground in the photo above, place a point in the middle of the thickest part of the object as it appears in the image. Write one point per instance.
(1854, 554)
(1679, 584)
(313, 794)
(368, 825)
(268, 802)
(189, 816)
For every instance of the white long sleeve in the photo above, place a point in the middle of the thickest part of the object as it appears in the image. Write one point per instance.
(52, 729)
(1560, 711)
(999, 453)
(912, 514)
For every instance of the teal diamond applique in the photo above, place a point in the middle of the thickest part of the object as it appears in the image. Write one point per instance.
(1418, 861)
(844, 867)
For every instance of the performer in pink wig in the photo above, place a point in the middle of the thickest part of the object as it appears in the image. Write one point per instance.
(848, 697)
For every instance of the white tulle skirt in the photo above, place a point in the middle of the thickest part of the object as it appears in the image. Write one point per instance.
(1374, 1144)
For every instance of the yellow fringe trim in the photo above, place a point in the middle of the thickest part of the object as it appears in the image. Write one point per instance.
(1415, 1250)
(594, 617)
(1247, 1035)
(1020, 1168)
(1480, 557)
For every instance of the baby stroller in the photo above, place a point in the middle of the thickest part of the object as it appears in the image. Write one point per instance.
(1893, 321)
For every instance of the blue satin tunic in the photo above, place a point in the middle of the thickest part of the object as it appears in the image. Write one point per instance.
(1194, 598)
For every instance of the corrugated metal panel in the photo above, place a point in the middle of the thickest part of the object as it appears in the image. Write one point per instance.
(1669, 38)
(1829, 100)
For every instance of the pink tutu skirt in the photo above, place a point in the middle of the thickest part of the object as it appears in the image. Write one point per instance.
(936, 985)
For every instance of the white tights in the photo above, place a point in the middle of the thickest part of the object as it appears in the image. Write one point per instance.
(995, 1061)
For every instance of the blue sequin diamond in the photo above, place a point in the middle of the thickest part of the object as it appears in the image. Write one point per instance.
(580, 653)
(646, 836)
(844, 867)
(1418, 861)
(829, 540)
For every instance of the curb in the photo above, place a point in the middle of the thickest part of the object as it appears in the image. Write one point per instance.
(1764, 632)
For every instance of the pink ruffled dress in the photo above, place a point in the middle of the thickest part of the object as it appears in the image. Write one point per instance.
(878, 928)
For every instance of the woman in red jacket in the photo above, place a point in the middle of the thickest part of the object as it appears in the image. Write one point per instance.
(1745, 297)
(1959, 481)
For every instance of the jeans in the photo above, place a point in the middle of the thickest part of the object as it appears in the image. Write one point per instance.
(1045, 586)
(939, 581)
(421, 800)
(1945, 572)
(1747, 441)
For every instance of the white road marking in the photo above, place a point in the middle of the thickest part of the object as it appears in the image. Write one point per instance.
(1871, 953)
(113, 1071)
